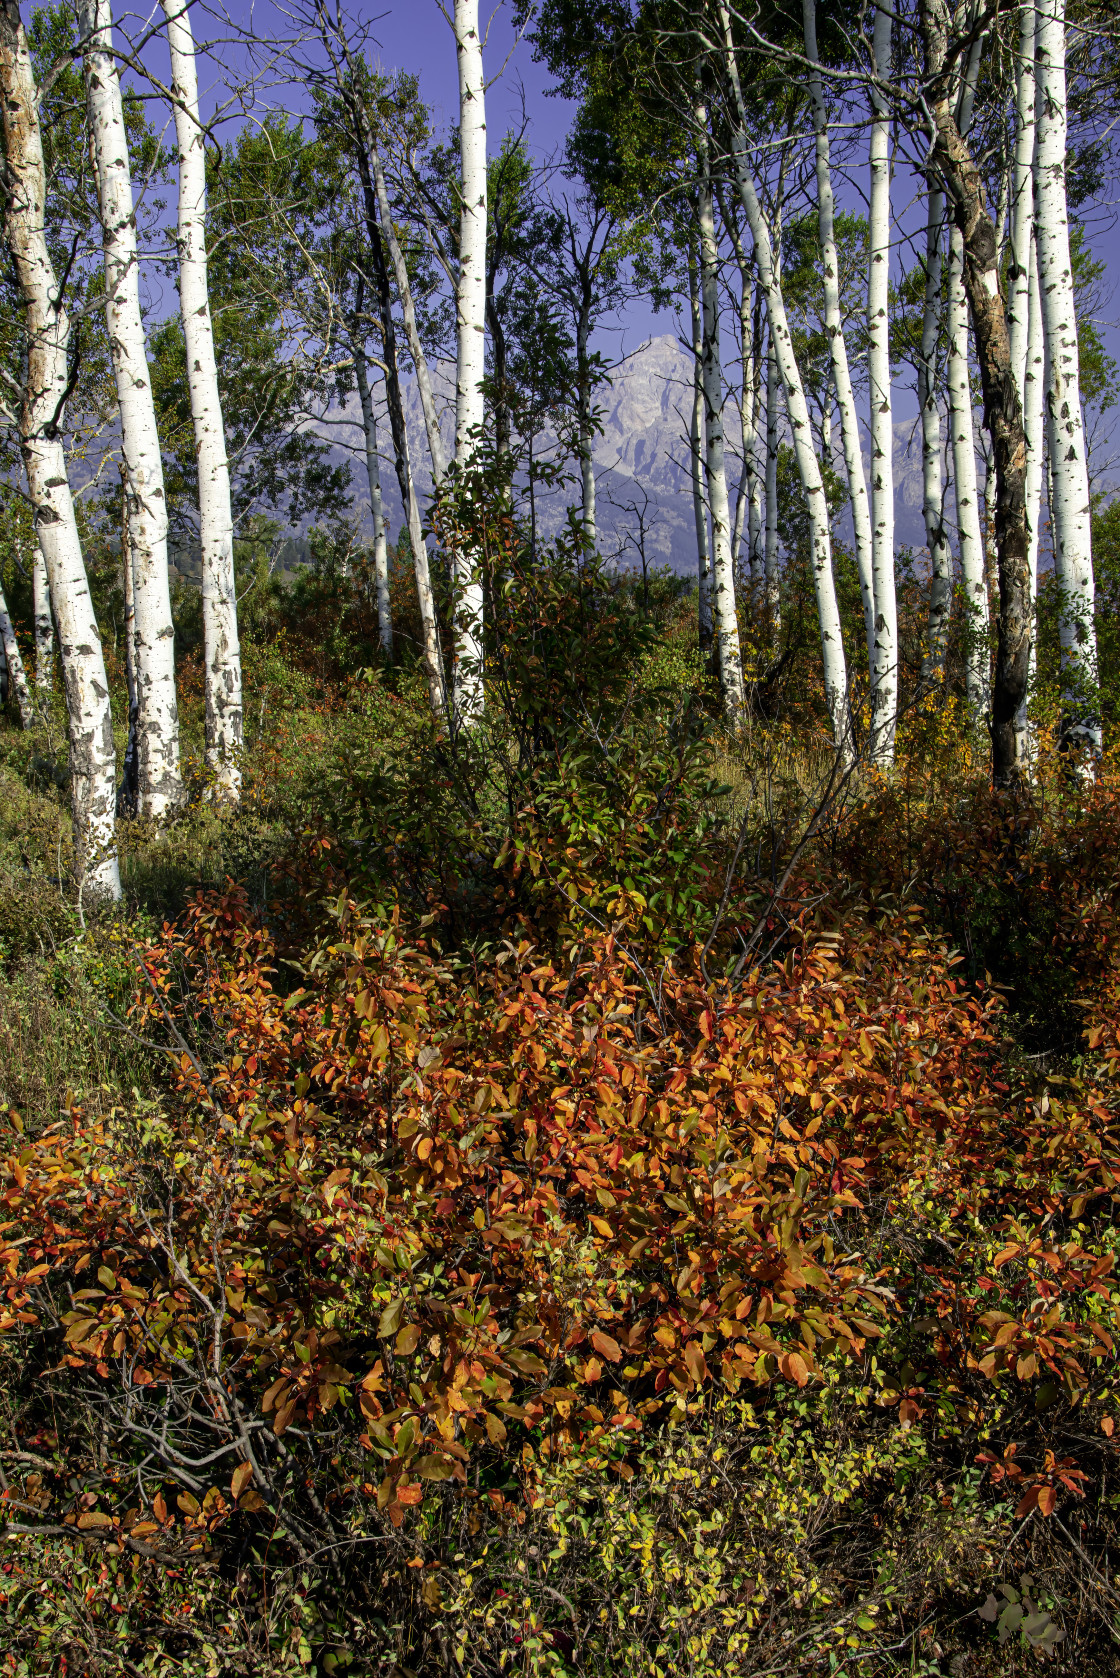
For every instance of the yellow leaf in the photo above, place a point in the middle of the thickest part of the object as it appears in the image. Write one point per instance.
(408, 1339)
(242, 1474)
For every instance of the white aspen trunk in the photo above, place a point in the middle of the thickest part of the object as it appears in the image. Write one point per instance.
(128, 792)
(1034, 398)
(963, 441)
(471, 343)
(991, 556)
(1071, 511)
(933, 499)
(832, 642)
(884, 676)
(408, 313)
(723, 571)
(44, 628)
(17, 676)
(704, 620)
(161, 787)
(221, 641)
(748, 411)
(373, 477)
(92, 757)
(429, 624)
(747, 495)
(1022, 195)
(756, 482)
(770, 537)
(838, 350)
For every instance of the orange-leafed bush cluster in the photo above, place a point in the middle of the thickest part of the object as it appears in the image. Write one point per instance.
(415, 1236)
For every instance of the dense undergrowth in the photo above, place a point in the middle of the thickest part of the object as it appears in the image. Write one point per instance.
(595, 1198)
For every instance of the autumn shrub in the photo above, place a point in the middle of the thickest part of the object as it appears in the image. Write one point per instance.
(1026, 888)
(564, 1314)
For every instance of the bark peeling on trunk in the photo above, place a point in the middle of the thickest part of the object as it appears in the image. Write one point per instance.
(92, 755)
(724, 613)
(221, 642)
(1003, 412)
(470, 304)
(161, 786)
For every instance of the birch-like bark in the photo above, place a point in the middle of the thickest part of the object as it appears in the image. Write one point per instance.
(1073, 556)
(962, 438)
(221, 641)
(812, 483)
(748, 413)
(161, 787)
(44, 627)
(884, 675)
(770, 537)
(1003, 412)
(47, 327)
(838, 350)
(1034, 402)
(470, 300)
(373, 478)
(17, 676)
(933, 495)
(1022, 195)
(756, 483)
(704, 622)
(747, 496)
(723, 571)
(129, 791)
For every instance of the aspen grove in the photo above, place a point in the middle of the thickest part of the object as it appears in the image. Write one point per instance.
(559, 817)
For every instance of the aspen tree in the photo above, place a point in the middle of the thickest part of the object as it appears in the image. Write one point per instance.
(884, 674)
(963, 435)
(221, 642)
(13, 662)
(933, 497)
(161, 787)
(756, 480)
(834, 330)
(128, 793)
(1002, 409)
(812, 482)
(47, 327)
(1022, 194)
(724, 613)
(1034, 426)
(1071, 508)
(43, 626)
(747, 502)
(704, 620)
(770, 536)
(373, 478)
(470, 301)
